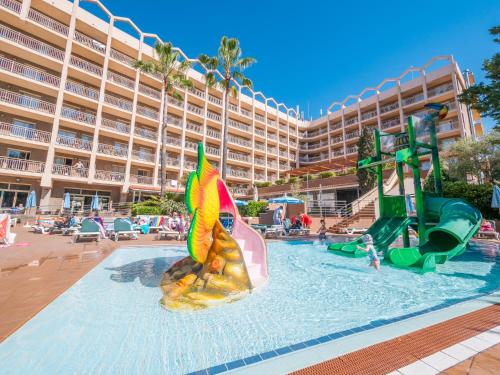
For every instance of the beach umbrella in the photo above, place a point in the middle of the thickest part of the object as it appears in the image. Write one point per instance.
(286, 200)
(67, 201)
(495, 199)
(95, 203)
(240, 203)
(31, 200)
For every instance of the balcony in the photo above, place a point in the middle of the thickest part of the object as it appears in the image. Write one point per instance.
(82, 90)
(260, 146)
(336, 126)
(194, 127)
(283, 153)
(89, 42)
(121, 57)
(272, 150)
(237, 173)
(441, 89)
(368, 115)
(114, 101)
(121, 80)
(31, 43)
(173, 162)
(259, 161)
(214, 116)
(352, 135)
(260, 118)
(213, 133)
(239, 141)
(12, 5)
(112, 150)
(390, 123)
(21, 165)
(190, 165)
(190, 145)
(351, 121)
(148, 91)
(69, 171)
(73, 142)
(215, 100)
(238, 190)
(338, 139)
(143, 156)
(413, 99)
(145, 133)
(117, 126)
(283, 127)
(272, 136)
(389, 107)
(175, 121)
(212, 151)
(175, 102)
(245, 112)
(85, 65)
(447, 126)
(29, 72)
(109, 176)
(272, 164)
(338, 152)
(75, 115)
(260, 177)
(271, 122)
(27, 101)
(195, 109)
(197, 92)
(141, 180)
(173, 141)
(233, 107)
(260, 132)
(239, 157)
(352, 150)
(283, 166)
(21, 132)
(147, 112)
(48, 22)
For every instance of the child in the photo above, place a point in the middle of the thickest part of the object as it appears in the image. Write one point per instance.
(322, 230)
(370, 249)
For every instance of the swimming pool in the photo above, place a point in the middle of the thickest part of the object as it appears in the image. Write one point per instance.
(110, 322)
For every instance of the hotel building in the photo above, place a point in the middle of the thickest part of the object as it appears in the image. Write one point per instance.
(76, 117)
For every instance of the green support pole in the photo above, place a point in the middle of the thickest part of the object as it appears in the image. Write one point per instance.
(419, 199)
(401, 180)
(380, 177)
(438, 184)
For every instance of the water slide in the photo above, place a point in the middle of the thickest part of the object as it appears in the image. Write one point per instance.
(384, 232)
(456, 222)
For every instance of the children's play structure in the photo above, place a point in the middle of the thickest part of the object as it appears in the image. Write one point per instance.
(222, 266)
(444, 226)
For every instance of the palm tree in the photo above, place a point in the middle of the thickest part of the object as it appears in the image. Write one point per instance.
(172, 73)
(232, 65)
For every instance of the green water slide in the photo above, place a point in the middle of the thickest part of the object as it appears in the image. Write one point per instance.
(456, 222)
(384, 232)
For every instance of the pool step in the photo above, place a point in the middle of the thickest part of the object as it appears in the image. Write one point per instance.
(254, 269)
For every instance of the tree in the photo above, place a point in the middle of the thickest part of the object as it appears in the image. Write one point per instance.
(475, 158)
(366, 145)
(172, 73)
(485, 97)
(232, 65)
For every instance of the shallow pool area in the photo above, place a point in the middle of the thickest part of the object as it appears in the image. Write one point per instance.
(111, 322)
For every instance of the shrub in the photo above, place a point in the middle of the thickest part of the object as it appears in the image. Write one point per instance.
(292, 180)
(141, 209)
(253, 209)
(263, 184)
(326, 174)
(160, 206)
(477, 195)
(279, 181)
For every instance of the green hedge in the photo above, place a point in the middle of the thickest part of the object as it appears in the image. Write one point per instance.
(263, 184)
(477, 195)
(139, 209)
(326, 174)
(279, 181)
(253, 209)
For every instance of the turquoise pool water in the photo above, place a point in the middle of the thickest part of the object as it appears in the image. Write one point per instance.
(110, 322)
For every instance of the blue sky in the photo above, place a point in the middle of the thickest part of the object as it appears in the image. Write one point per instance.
(311, 53)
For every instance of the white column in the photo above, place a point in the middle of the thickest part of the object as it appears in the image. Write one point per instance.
(328, 129)
(253, 140)
(456, 91)
(379, 120)
(400, 104)
(158, 139)
(183, 133)
(47, 175)
(102, 93)
(25, 7)
(343, 130)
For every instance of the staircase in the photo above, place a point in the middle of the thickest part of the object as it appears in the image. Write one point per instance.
(363, 218)
(255, 271)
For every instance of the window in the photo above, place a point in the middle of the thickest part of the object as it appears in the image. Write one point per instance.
(118, 168)
(23, 124)
(67, 134)
(18, 154)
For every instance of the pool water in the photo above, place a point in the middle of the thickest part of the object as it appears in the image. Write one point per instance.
(111, 322)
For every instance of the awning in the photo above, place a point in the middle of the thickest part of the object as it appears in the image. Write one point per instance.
(323, 166)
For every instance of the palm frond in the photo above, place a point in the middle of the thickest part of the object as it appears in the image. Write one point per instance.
(177, 95)
(210, 80)
(145, 66)
(245, 62)
(247, 82)
(234, 91)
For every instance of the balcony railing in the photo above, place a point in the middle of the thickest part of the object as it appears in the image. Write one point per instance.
(174, 120)
(118, 102)
(213, 133)
(145, 133)
(340, 138)
(260, 146)
(259, 117)
(190, 145)
(142, 180)
(368, 115)
(75, 115)
(390, 123)
(48, 22)
(272, 164)
(389, 107)
(28, 71)
(351, 121)
(173, 141)
(11, 130)
(113, 150)
(21, 165)
(338, 152)
(127, 60)
(196, 92)
(245, 112)
(70, 171)
(213, 116)
(173, 162)
(239, 125)
(352, 135)
(212, 150)
(146, 90)
(176, 102)
(271, 122)
(413, 99)
(73, 142)
(195, 109)
(14, 6)
(27, 101)
(121, 80)
(440, 89)
(239, 141)
(147, 112)
(260, 132)
(194, 127)
(31, 43)
(238, 190)
(143, 155)
(260, 177)
(259, 161)
(78, 88)
(190, 165)
(352, 150)
(447, 126)
(85, 65)
(237, 173)
(238, 156)
(272, 136)
(89, 42)
(115, 125)
(232, 107)
(214, 100)
(109, 176)
(336, 126)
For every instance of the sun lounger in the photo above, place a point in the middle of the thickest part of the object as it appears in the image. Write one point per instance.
(299, 232)
(89, 229)
(71, 230)
(274, 231)
(166, 232)
(123, 228)
(156, 223)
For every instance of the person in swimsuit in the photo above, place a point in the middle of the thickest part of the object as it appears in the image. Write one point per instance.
(322, 230)
(372, 252)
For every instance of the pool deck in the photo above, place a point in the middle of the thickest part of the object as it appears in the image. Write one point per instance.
(33, 275)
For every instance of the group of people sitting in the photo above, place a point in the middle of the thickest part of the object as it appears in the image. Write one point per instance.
(175, 222)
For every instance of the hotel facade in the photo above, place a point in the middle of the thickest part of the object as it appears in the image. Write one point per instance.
(77, 118)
